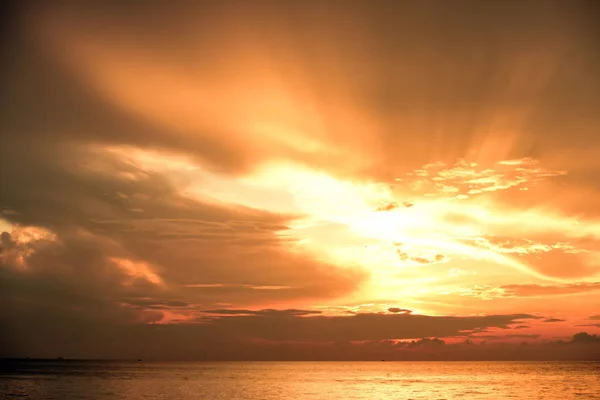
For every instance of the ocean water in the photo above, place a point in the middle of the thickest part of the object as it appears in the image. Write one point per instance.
(301, 380)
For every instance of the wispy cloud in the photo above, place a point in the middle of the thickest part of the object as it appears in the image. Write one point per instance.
(464, 179)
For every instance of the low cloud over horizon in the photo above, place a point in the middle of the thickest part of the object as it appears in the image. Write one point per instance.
(204, 180)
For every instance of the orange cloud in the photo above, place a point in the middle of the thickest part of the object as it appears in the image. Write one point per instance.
(223, 157)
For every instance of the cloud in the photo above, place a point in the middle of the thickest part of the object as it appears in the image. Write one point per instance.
(146, 185)
(426, 343)
(221, 108)
(86, 237)
(418, 256)
(272, 335)
(267, 312)
(397, 310)
(508, 336)
(584, 337)
(553, 320)
(155, 303)
(358, 326)
(463, 179)
(86, 329)
(540, 252)
(22, 242)
(532, 290)
(137, 270)
(484, 292)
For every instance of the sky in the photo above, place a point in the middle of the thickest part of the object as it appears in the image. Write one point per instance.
(287, 180)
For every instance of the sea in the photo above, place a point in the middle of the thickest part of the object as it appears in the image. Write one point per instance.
(97, 380)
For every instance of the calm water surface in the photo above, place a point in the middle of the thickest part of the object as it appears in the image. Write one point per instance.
(301, 380)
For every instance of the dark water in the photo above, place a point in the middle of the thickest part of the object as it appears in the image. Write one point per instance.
(301, 380)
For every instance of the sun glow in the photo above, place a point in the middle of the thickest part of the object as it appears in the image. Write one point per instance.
(388, 229)
(428, 222)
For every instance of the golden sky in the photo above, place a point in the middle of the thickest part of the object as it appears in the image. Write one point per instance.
(363, 171)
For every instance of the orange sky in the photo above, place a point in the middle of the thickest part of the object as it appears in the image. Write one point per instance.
(179, 164)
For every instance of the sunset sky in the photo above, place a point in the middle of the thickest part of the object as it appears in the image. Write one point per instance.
(189, 179)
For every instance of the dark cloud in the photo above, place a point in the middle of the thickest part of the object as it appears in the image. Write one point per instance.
(426, 343)
(358, 326)
(267, 312)
(553, 320)
(7, 248)
(83, 335)
(530, 336)
(508, 336)
(144, 303)
(584, 337)
(6, 241)
(88, 327)
(397, 310)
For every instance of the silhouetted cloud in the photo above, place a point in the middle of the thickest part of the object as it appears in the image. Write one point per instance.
(508, 336)
(85, 330)
(397, 310)
(268, 312)
(426, 343)
(584, 337)
(269, 325)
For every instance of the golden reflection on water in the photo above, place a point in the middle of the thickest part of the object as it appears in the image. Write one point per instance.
(304, 380)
